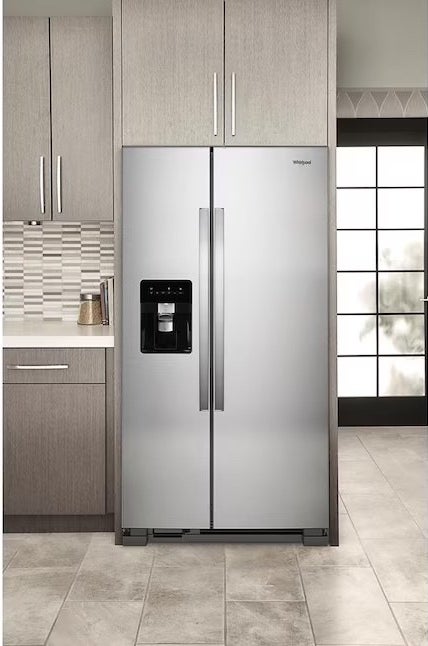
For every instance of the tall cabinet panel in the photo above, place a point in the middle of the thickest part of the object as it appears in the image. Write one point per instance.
(276, 72)
(26, 119)
(81, 70)
(172, 72)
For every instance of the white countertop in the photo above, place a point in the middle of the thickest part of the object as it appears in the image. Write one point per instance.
(56, 334)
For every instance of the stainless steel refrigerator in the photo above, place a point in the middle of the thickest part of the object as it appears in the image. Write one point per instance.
(225, 337)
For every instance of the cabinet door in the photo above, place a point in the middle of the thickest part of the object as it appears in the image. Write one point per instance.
(277, 52)
(26, 120)
(171, 51)
(54, 449)
(81, 77)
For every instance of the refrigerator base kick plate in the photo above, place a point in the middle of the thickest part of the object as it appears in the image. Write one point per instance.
(138, 536)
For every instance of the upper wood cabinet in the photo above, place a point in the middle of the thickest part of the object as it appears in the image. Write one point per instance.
(270, 58)
(58, 119)
(276, 58)
(82, 118)
(172, 66)
(26, 120)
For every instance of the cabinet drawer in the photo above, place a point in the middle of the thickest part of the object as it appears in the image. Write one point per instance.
(54, 366)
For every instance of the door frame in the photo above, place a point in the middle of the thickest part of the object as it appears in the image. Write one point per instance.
(404, 410)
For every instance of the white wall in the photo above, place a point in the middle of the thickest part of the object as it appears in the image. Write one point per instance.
(382, 43)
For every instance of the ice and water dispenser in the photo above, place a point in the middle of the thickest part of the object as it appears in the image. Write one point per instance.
(166, 315)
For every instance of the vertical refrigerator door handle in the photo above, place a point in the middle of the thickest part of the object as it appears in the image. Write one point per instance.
(204, 265)
(219, 309)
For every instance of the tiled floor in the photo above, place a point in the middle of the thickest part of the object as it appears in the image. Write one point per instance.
(81, 590)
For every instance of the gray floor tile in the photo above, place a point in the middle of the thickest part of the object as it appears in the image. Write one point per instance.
(184, 605)
(413, 621)
(32, 598)
(260, 555)
(376, 516)
(408, 476)
(112, 573)
(347, 606)
(264, 583)
(349, 552)
(398, 443)
(169, 555)
(351, 448)
(10, 548)
(362, 476)
(261, 623)
(418, 509)
(401, 566)
(342, 508)
(83, 623)
(51, 550)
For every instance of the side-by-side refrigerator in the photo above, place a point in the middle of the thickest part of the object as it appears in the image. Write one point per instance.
(225, 343)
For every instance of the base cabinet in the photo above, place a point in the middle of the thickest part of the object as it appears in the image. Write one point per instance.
(56, 435)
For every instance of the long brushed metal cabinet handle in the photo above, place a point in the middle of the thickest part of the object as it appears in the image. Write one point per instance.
(59, 183)
(215, 99)
(48, 366)
(233, 95)
(42, 183)
(204, 304)
(219, 309)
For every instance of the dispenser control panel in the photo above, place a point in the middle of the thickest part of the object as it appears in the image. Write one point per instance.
(166, 315)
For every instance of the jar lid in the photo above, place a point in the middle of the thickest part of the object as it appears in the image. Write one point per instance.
(90, 297)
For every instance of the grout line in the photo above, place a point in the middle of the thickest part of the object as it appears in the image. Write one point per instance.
(146, 594)
(304, 594)
(377, 578)
(69, 590)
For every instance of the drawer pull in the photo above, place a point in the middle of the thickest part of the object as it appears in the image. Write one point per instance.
(52, 366)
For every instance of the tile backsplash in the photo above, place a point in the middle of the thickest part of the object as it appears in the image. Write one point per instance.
(46, 267)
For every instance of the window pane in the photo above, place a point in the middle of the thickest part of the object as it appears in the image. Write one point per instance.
(356, 208)
(356, 166)
(401, 291)
(401, 208)
(356, 335)
(356, 293)
(356, 250)
(401, 334)
(401, 249)
(401, 166)
(401, 376)
(356, 376)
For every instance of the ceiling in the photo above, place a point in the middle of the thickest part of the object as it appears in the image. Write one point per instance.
(57, 7)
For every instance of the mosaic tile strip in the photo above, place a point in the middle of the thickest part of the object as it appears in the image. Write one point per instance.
(46, 267)
(381, 103)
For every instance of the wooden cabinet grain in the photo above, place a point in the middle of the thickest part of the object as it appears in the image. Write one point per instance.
(171, 50)
(58, 438)
(58, 96)
(81, 78)
(278, 52)
(54, 449)
(26, 119)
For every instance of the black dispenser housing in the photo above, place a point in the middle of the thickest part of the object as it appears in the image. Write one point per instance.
(166, 315)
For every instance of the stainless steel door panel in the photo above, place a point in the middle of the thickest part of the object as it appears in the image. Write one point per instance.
(165, 449)
(271, 440)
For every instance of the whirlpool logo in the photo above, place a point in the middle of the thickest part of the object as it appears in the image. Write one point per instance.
(302, 162)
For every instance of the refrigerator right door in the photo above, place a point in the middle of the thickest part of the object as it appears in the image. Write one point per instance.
(270, 460)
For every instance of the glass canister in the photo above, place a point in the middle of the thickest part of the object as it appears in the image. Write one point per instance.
(90, 310)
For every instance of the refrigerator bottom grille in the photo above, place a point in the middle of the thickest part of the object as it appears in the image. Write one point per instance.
(312, 536)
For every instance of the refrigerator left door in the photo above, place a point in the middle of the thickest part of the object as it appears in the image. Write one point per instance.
(165, 435)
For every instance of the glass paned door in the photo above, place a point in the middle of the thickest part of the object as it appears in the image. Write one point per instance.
(381, 283)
